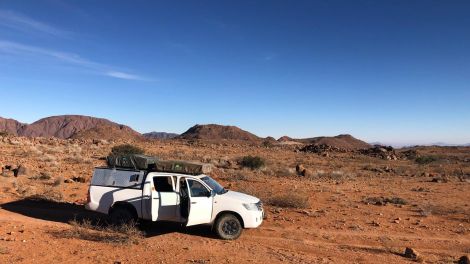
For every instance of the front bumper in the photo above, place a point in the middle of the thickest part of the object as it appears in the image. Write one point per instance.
(253, 219)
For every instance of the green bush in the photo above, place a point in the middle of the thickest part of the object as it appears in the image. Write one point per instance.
(126, 149)
(426, 159)
(252, 162)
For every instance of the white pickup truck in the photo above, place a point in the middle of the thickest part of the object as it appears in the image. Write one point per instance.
(127, 194)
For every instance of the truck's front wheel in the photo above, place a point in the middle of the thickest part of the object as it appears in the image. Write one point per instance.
(121, 215)
(228, 227)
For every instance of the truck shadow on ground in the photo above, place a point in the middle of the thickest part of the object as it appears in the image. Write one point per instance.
(63, 212)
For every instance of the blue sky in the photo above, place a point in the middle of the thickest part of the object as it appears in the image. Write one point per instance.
(390, 71)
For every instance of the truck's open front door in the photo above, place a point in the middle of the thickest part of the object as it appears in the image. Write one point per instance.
(200, 203)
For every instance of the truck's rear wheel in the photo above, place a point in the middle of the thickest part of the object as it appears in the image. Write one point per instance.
(121, 216)
(228, 227)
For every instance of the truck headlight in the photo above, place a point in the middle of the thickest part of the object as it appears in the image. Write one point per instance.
(251, 206)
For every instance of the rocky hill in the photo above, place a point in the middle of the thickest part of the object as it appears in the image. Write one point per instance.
(10, 126)
(68, 126)
(159, 135)
(108, 132)
(218, 132)
(344, 141)
(285, 139)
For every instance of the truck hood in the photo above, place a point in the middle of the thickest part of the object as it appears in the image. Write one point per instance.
(244, 198)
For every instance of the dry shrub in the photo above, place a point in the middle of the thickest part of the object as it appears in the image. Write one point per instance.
(237, 176)
(285, 172)
(4, 251)
(22, 189)
(49, 194)
(47, 158)
(334, 175)
(42, 176)
(34, 151)
(123, 234)
(75, 148)
(77, 158)
(126, 149)
(385, 200)
(252, 162)
(58, 181)
(437, 210)
(289, 200)
(427, 159)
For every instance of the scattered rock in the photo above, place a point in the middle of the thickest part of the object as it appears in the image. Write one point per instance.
(409, 154)
(21, 170)
(69, 181)
(375, 223)
(79, 179)
(411, 254)
(440, 179)
(378, 151)
(321, 148)
(301, 170)
(464, 260)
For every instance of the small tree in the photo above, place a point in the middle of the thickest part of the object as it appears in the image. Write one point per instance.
(252, 162)
(126, 149)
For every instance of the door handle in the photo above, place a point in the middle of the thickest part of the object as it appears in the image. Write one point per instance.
(193, 202)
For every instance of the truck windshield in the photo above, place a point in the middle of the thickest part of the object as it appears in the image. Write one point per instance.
(214, 185)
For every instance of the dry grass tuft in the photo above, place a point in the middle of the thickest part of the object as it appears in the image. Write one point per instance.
(22, 189)
(58, 181)
(289, 200)
(41, 176)
(86, 230)
(49, 194)
(334, 175)
(4, 251)
(237, 176)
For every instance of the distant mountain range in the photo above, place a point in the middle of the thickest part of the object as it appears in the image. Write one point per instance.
(87, 127)
(439, 144)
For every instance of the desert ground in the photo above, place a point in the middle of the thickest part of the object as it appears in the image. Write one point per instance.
(344, 208)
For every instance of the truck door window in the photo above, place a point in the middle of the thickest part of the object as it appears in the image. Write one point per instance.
(197, 189)
(163, 184)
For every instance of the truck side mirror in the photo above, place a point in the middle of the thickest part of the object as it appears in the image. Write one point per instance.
(212, 193)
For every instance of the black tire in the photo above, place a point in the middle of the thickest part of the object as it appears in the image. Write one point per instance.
(121, 216)
(228, 227)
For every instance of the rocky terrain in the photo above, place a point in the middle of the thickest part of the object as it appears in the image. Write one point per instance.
(159, 135)
(351, 205)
